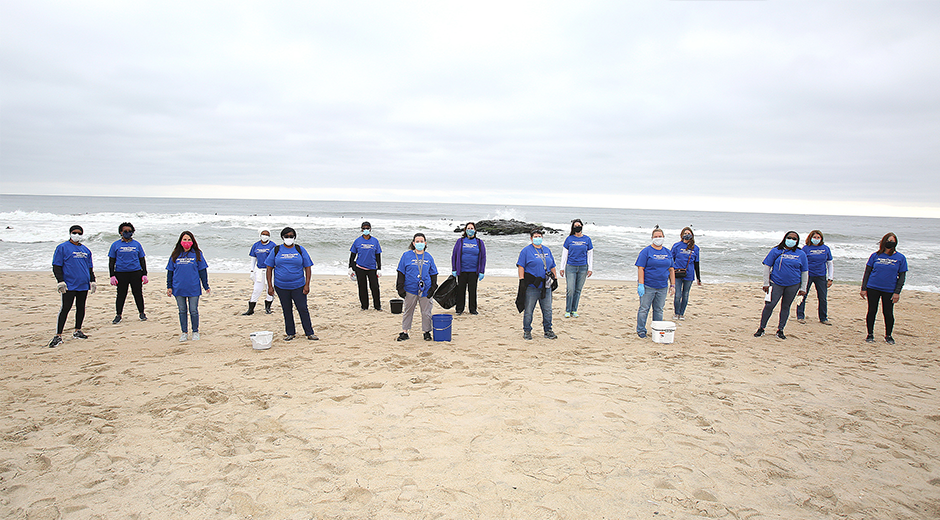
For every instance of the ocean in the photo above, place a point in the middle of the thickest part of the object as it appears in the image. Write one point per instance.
(732, 244)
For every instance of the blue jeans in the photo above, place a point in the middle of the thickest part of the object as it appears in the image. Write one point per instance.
(289, 298)
(575, 275)
(532, 295)
(822, 290)
(655, 298)
(681, 301)
(182, 302)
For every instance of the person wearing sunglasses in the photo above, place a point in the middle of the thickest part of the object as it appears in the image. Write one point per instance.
(75, 278)
(288, 274)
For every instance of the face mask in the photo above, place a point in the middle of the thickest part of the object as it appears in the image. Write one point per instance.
(127, 234)
(577, 229)
(658, 241)
(814, 241)
(471, 232)
(288, 241)
(419, 246)
(537, 241)
(687, 237)
(366, 232)
(790, 242)
(265, 238)
(77, 238)
(186, 244)
(891, 244)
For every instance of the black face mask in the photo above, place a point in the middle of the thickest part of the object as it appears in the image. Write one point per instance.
(891, 244)
(577, 229)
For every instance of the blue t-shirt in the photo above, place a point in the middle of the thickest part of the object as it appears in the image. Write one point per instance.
(682, 258)
(469, 255)
(126, 255)
(417, 268)
(817, 256)
(786, 267)
(655, 264)
(289, 264)
(185, 270)
(259, 251)
(366, 249)
(885, 270)
(577, 249)
(75, 261)
(536, 262)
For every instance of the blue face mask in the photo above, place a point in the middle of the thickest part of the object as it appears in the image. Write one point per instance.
(537, 241)
(471, 232)
(815, 241)
(419, 246)
(790, 242)
(366, 232)
(127, 234)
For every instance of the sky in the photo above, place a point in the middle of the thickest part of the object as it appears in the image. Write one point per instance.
(787, 107)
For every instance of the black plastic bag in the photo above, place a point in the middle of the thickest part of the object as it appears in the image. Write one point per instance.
(446, 293)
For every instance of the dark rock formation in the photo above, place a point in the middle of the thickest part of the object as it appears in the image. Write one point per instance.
(507, 227)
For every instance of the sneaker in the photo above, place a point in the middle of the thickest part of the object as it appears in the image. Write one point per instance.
(526, 335)
(870, 338)
(474, 313)
(195, 336)
(79, 334)
(889, 340)
(574, 314)
(826, 322)
(143, 317)
(550, 335)
(675, 317)
(116, 320)
(312, 337)
(378, 309)
(427, 336)
(288, 337)
(759, 333)
(567, 314)
(801, 320)
(781, 335)
(459, 313)
(184, 337)
(641, 335)
(56, 341)
(402, 336)
(682, 318)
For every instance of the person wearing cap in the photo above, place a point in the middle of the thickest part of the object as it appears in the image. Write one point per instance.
(259, 253)
(288, 273)
(365, 266)
(75, 278)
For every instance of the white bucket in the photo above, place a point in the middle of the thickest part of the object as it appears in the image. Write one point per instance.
(663, 331)
(261, 340)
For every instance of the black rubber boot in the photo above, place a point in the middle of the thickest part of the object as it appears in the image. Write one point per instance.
(267, 307)
(251, 309)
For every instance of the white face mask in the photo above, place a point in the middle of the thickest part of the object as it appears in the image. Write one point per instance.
(658, 241)
(265, 238)
(77, 238)
(288, 241)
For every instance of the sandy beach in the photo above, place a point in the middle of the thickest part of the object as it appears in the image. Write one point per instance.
(130, 423)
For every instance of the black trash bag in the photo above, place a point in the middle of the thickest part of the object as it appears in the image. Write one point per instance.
(446, 293)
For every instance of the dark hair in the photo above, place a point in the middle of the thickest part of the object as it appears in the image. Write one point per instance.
(572, 225)
(465, 228)
(536, 232)
(124, 225)
(655, 229)
(288, 230)
(365, 225)
(76, 226)
(412, 244)
(881, 245)
(691, 244)
(178, 250)
(809, 237)
(783, 243)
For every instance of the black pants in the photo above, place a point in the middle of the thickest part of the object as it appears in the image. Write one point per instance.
(777, 292)
(887, 308)
(132, 279)
(467, 281)
(79, 298)
(362, 276)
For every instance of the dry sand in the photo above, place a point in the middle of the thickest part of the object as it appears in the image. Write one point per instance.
(596, 424)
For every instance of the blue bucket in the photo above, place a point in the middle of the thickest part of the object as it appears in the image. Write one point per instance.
(442, 326)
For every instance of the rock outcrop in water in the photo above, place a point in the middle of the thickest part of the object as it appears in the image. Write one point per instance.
(507, 227)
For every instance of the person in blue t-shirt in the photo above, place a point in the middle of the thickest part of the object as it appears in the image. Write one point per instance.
(128, 268)
(786, 268)
(185, 271)
(577, 260)
(537, 281)
(259, 254)
(416, 283)
(655, 279)
(75, 278)
(288, 274)
(685, 261)
(365, 266)
(819, 258)
(468, 263)
(885, 273)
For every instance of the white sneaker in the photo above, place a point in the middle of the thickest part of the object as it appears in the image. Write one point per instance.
(195, 336)
(183, 337)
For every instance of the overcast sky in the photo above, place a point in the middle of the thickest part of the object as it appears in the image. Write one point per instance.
(804, 107)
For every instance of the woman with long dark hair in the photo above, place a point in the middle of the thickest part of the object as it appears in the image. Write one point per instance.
(786, 269)
(416, 283)
(685, 262)
(185, 271)
(577, 260)
(468, 263)
(884, 277)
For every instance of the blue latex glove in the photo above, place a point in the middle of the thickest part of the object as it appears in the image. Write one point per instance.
(454, 273)
(481, 276)
(641, 289)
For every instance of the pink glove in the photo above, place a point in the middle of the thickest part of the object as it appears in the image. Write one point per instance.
(145, 279)
(114, 280)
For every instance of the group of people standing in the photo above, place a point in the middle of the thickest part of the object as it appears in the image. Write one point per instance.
(284, 269)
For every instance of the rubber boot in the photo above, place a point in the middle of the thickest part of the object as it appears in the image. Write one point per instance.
(251, 309)
(267, 307)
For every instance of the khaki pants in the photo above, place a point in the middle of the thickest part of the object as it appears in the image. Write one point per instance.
(411, 301)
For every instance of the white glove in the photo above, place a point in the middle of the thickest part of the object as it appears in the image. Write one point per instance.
(378, 273)
(94, 287)
(352, 274)
(61, 287)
